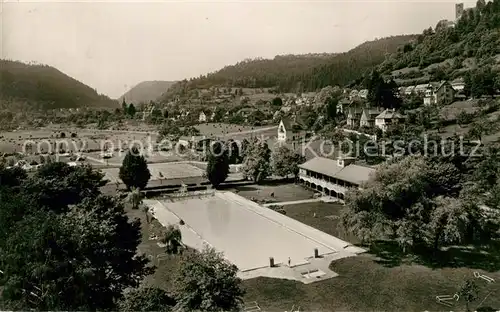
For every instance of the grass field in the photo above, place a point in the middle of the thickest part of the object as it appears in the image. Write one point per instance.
(221, 129)
(282, 193)
(380, 281)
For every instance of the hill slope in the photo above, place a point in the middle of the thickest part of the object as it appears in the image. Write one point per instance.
(448, 52)
(24, 86)
(298, 72)
(146, 91)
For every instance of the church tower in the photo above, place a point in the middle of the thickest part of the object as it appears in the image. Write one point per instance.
(459, 10)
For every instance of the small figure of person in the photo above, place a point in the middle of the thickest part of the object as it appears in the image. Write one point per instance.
(289, 261)
(272, 194)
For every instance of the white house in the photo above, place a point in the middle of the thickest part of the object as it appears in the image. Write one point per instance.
(439, 93)
(386, 118)
(202, 117)
(282, 129)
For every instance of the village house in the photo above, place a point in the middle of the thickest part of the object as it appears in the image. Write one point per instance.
(343, 104)
(354, 117)
(287, 133)
(409, 90)
(386, 118)
(421, 89)
(439, 93)
(334, 177)
(367, 118)
(283, 127)
(202, 117)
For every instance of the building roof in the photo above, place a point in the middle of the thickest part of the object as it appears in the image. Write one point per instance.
(351, 173)
(421, 87)
(371, 113)
(410, 89)
(326, 166)
(389, 114)
(355, 174)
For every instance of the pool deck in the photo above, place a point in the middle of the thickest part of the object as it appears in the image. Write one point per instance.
(249, 234)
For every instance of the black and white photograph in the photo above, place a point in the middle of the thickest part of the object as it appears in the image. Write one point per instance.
(250, 155)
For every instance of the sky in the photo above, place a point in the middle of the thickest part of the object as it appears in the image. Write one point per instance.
(113, 45)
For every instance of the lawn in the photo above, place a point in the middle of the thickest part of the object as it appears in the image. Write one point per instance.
(383, 281)
(220, 129)
(282, 192)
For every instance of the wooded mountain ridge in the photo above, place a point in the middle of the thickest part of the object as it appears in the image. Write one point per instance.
(296, 73)
(34, 86)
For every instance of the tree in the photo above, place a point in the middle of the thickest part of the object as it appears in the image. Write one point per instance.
(172, 238)
(469, 292)
(375, 85)
(277, 102)
(218, 164)
(79, 258)
(208, 282)
(56, 185)
(147, 299)
(285, 162)
(478, 129)
(256, 165)
(131, 110)
(414, 200)
(135, 197)
(234, 153)
(331, 108)
(124, 107)
(134, 171)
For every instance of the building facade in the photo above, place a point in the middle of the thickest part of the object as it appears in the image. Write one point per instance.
(334, 177)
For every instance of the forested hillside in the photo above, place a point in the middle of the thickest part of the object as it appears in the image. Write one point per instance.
(146, 91)
(24, 86)
(473, 42)
(298, 72)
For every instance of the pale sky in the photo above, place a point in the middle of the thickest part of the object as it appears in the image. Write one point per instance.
(113, 45)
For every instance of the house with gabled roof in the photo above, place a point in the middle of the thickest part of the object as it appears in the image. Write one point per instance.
(283, 128)
(354, 117)
(388, 117)
(421, 88)
(439, 93)
(334, 177)
(367, 118)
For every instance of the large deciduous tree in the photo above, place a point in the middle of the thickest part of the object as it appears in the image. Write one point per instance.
(80, 256)
(256, 165)
(414, 201)
(208, 282)
(285, 162)
(134, 171)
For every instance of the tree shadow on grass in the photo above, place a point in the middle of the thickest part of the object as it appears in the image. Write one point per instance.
(486, 258)
(246, 189)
